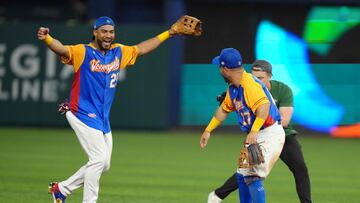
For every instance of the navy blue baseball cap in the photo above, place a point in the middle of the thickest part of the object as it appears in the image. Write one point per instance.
(103, 20)
(229, 57)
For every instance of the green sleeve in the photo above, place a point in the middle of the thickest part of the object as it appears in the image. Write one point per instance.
(286, 96)
(285, 99)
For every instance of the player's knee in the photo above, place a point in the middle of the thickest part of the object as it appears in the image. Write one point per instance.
(106, 166)
(99, 161)
(298, 166)
(250, 179)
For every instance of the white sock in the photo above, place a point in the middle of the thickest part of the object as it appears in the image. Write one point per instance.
(213, 198)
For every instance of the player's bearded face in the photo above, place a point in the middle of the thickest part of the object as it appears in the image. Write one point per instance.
(223, 74)
(104, 36)
(226, 80)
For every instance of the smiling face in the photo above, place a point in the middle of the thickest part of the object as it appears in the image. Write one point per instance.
(104, 36)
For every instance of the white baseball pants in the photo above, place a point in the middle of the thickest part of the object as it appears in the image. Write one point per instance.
(271, 140)
(98, 147)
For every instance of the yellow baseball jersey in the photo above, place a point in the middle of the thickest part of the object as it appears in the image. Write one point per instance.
(77, 54)
(246, 98)
(95, 80)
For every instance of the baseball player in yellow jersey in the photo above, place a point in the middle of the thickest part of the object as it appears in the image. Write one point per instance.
(257, 115)
(96, 66)
(291, 154)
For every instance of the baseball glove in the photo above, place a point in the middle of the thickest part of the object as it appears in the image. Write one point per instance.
(63, 107)
(187, 25)
(250, 156)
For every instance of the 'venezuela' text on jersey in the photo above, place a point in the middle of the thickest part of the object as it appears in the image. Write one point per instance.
(95, 79)
(246, 98)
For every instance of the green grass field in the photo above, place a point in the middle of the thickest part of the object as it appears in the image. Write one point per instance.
(166, 167)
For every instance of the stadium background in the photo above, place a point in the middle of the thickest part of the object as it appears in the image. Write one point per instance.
(171, 93)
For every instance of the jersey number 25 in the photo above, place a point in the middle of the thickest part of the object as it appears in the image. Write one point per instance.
(114, 80)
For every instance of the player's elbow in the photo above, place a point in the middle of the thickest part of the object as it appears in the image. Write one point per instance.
(142, 49)
(64, 52)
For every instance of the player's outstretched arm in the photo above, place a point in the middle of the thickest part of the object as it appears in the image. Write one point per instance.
(185, 25)
(218, 118)
(53, 44)
(149, 45)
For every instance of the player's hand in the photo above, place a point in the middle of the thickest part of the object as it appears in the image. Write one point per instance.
(251, 137)
(63, 107)
(42, 32)
(204, 139)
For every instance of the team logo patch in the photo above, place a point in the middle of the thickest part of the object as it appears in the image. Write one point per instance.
(238, 104)
(96, 66)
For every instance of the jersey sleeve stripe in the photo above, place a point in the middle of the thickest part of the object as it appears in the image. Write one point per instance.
(75, 93)
(263, 100)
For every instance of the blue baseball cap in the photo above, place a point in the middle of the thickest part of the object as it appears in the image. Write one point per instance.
(229, 57)
(103, 20)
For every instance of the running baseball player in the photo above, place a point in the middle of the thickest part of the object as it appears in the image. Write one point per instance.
(97, 66)
(257, 115)
(291, 154)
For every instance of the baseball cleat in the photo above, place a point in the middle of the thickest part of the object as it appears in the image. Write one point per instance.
(55, 192)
